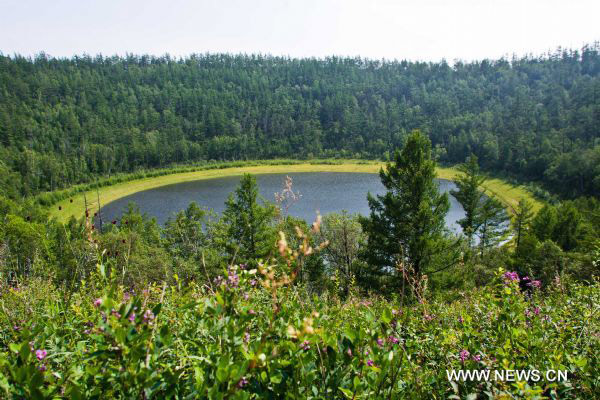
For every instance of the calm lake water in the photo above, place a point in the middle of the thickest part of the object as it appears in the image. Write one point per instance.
(321, 191)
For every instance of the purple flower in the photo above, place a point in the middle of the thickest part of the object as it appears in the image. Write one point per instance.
(349, 352)
(380, 342)
(370, 363)
(148, 316)
(461, 320)
(132, 317)
(253, 282)
(251, 312)
(97, 302)
(243, 382)
(535, 284)
(41, 354)
(305, 345)
(42, 367)
(476, 357)
(233, 279)
(393, 340)
(511, 277)
(536, 311)
(115, 313)
(464, 354)
(246, 337)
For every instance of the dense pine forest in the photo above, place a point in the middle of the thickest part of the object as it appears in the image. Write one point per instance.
(64, 121)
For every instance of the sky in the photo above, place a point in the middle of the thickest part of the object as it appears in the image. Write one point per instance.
(423, 30)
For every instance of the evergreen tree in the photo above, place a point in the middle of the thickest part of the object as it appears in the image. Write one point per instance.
(521, 220)
(492, 223)
(250, 232)
(406, 224)
(469, 195)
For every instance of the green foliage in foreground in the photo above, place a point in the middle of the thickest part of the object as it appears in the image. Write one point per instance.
(253, 335)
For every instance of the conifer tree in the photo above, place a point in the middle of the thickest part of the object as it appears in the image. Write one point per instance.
(407, 223)
(469, 195)
(250, 232)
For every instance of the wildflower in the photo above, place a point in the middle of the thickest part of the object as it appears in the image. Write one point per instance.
(527, 312)
(97, 302)
(253, 282)
(17, 328)
(246, 337)
(349, 352)
(251, 312)
(393, 340)
(132, 318)
(246, 296)
(511, 277)
(305, 345)
(42, 367)
(476, 357)
(396, 312)
(233, 279)
(115, 313)
(464, 354)
(380, 342)
(370, 363)
(535, 284)
(148, 316)
(243, 382)
(460, 319)
(536, 311)
(87, 331)
(41, 354)
(428, 317)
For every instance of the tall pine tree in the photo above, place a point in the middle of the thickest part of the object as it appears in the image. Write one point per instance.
(469, 195)
(406, 226)
(250, 232)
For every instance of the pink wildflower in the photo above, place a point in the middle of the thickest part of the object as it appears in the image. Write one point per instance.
(97, 302)
(41, 354)
(464, 354)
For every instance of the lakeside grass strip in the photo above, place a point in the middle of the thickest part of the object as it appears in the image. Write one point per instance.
(505, 192)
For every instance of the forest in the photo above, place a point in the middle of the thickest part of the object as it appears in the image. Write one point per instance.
(68, 121)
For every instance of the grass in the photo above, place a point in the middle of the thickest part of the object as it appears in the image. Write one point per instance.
(75, 206)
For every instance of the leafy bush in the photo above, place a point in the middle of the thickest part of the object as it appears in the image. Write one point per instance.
(252, 334)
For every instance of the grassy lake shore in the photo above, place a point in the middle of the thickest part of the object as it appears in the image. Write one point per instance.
(75, 206)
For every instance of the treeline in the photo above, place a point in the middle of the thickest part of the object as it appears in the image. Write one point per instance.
(64, 121)
(401, 245)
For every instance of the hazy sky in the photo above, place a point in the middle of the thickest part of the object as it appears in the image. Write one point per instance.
(415, 30)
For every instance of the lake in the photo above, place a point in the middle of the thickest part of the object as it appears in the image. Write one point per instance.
(325, 192)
